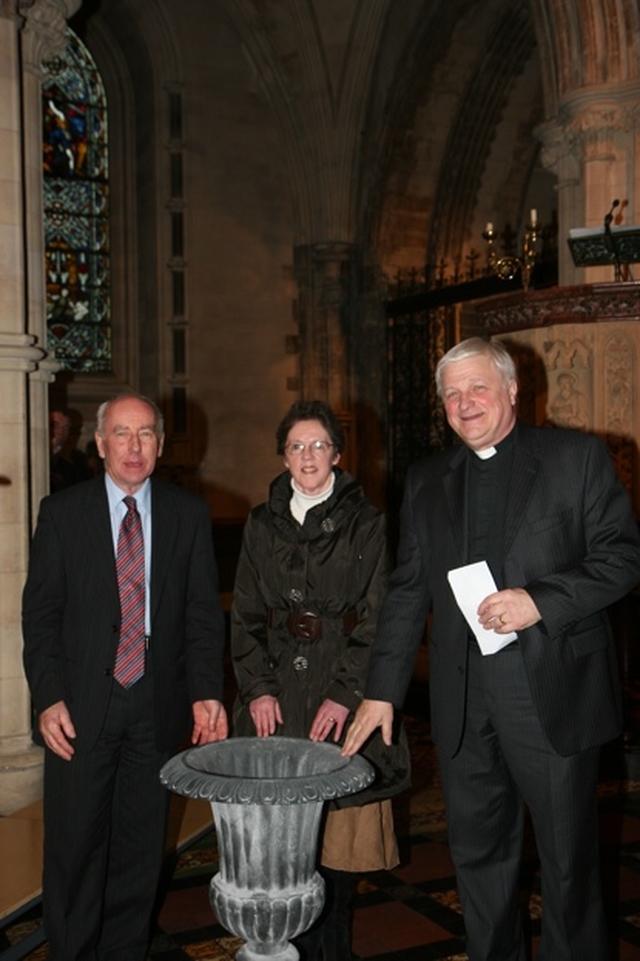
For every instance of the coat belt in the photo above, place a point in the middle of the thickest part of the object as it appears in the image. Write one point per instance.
(309, 625)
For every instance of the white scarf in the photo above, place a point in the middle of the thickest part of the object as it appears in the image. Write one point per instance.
(300, 503)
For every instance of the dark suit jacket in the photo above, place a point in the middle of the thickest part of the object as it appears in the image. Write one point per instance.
(570, 540)
(71, 610)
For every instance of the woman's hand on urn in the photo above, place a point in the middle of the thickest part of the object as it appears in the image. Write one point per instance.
(330, 716)
(266, 714)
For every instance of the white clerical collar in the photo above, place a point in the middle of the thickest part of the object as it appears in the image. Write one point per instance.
(486, 453)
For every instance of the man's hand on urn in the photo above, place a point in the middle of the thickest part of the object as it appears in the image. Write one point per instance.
(209, 722)
(369, 716)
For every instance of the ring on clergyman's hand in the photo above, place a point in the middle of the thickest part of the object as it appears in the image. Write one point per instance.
(502, 620)
(331, 719)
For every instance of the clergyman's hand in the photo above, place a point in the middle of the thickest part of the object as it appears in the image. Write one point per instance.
(56, 727)
(510, 610)
(369, 716)
(209, 722)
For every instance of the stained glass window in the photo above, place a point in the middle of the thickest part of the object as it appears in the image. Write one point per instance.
(76, 211)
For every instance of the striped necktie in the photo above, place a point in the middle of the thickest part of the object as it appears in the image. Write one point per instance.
(130, 656)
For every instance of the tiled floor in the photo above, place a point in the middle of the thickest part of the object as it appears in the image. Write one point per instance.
(412, 913)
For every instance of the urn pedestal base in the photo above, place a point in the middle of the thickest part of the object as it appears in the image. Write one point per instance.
(267, 921)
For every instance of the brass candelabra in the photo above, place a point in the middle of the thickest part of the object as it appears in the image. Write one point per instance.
(507, 266)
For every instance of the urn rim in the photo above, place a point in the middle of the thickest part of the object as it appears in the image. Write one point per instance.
(279, 770)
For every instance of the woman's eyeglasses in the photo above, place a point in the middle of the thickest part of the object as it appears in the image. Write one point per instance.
(315, 447)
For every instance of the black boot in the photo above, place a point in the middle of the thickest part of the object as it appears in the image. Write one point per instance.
(309, 944)
(336, 927)
(330, 937)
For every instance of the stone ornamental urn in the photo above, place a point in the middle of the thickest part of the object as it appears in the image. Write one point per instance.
(267, 796)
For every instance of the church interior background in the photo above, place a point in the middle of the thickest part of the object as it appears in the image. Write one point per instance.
(228, 205)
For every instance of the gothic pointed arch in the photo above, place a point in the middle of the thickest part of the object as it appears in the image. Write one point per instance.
(509, 47)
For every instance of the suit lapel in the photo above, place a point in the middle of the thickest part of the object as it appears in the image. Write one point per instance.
(164, 530)
(96, 527)
(525, 467)
(455, 491)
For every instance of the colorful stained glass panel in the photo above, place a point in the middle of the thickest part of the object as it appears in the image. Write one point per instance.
(76, 211)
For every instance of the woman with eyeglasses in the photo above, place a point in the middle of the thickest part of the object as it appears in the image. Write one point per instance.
(311, 577)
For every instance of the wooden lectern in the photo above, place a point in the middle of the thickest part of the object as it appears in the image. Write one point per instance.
(594, 246)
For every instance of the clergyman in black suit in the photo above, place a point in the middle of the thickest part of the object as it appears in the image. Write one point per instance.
(544, 509)
(108, 717)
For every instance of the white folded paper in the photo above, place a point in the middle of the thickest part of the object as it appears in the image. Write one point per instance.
(470, 585)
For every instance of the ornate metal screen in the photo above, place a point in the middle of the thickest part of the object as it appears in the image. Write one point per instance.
(417, 340)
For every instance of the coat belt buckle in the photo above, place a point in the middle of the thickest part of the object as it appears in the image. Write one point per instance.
(306, 624)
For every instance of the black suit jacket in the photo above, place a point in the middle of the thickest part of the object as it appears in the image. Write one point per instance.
(570, 540)
(71, 610)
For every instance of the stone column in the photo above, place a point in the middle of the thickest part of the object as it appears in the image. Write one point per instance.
(324, 274)
(24, 365)
(592, 146)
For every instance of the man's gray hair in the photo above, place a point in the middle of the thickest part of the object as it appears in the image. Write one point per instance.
(101, 413)
(477, 347)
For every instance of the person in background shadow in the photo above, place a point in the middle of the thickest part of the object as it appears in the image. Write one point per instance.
(123, 642)
(311, 576)
(546, 512)
(67, 465)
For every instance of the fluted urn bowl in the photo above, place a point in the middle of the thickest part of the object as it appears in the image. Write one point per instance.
(267, 796)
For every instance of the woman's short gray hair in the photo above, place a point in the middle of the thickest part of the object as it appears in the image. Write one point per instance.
(477, 347)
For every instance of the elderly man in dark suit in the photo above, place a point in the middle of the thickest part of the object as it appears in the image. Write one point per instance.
(123, 641)
(544, 509)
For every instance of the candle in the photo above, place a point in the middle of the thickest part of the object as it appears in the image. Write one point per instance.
(534, 216)
(489, 228)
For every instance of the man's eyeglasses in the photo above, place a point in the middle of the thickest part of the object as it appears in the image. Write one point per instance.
(315, 447)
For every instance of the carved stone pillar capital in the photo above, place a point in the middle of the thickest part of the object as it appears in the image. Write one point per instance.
(44, 31)
(593, 131)
(591, 126)
(557, 152)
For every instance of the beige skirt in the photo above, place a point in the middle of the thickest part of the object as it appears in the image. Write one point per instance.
(360, 838)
